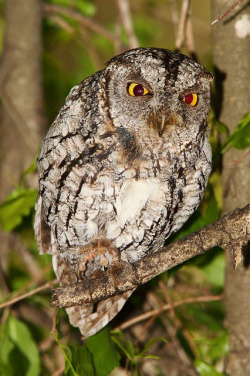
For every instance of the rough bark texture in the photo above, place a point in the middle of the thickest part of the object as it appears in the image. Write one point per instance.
(232, 62)
(21, 94)
(232, 230)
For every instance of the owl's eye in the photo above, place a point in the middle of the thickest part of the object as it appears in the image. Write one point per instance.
(137, 90)
(191, 99)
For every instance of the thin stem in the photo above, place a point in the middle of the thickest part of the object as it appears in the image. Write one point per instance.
(85, 21)
(227, 12)
(28, 294)
(126, 19)
(182, 24)
(166, 307)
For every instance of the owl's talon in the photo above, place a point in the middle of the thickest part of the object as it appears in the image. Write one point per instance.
(98, 254)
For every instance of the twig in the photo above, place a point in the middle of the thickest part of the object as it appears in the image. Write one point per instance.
(3, 283)
(118, 46)
(227, 12)
(91, 49)
(166, 307)
(85, 21)
(30, 293)
(174, 14)
(238, 160)
(170, 303)
(190, 37)
(182, 24)
(61, 23)
(229, 232)
(124, 10)
(177, 325)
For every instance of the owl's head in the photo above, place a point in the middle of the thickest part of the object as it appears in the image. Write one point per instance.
(156, 90)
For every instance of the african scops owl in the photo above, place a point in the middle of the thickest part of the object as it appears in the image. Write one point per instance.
(123, 166)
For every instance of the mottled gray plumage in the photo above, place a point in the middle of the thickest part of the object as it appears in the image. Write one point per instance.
(120, 173)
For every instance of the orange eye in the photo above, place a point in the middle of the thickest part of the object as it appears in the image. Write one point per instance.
(137, 90)
(191, 99)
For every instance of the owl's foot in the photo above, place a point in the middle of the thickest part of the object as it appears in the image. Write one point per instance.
(96, 255)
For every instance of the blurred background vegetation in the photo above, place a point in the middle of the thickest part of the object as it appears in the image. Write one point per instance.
(173, 325)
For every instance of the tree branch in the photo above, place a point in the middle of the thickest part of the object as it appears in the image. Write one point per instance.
(84, 21)
(182, 24)
(126, 19)
(231, 231)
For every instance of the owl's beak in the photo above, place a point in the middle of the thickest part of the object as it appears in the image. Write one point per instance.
(161, 125)
(161, 122)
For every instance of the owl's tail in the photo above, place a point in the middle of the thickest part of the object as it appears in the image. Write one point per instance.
(92, 318)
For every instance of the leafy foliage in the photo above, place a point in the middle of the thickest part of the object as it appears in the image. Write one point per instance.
(240, 138)
(19, 354)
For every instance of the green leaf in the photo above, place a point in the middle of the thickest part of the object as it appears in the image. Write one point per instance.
(240, 138)
(205, 369)
(221, 127)
(83, 361)
(203, 317)
(124, 344)
(104, 353)
(6, 348)
(18, 204)
(78, 361)
(148, 345)
(215, 270)
(84, 6)
(19, 354)
(218, 346)
(67, 355)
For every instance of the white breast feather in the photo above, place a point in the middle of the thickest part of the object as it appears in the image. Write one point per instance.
(133, 197)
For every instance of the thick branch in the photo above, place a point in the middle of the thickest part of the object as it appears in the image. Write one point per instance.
(231, 231)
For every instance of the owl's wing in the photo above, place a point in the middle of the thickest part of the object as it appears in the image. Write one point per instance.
(42, 230)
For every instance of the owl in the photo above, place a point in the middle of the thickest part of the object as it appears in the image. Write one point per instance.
(123, 166)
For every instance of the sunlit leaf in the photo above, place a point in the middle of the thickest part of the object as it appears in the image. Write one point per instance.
(240, 138)
(218, 346)
(205, 369)
(18, 205)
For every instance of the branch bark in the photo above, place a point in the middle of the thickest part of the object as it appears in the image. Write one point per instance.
(231, 231)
